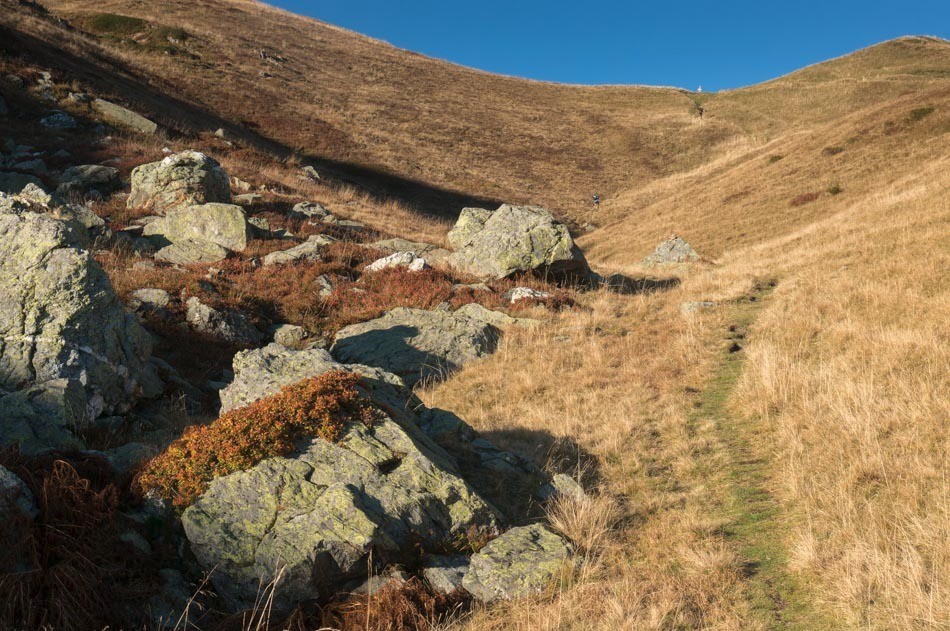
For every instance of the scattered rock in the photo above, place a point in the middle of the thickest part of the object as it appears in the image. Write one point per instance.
(36, 166)
(181, 179)
(377, 582)
(444, 574)
(409, 260)
(229, 326)
(13, 183)
(687, 308)
(15, 497)
(189, 252)
(149, 299)
(521, 562)
(118, 115)
(222, 224)
(673, 250)
(310, 250)
(515, 239)
(563, 485)
(309, 210)
(416, 344)
(249, 199)
(431, 253)
(326, 285)
(524, 293)
(290, 336)
(82, 179)
(310, 173)
(58, 120)
(60, 318)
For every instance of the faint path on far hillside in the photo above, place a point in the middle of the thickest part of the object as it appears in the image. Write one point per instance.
(755, 523)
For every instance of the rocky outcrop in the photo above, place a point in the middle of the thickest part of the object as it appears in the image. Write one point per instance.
(323, 513)
(673, 250)
(515, 239)
(181, 179)
(61, 319)
(416, 344)
(224, 225)
(519, 563)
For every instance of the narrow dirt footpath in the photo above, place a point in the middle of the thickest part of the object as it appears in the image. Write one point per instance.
(755, 521)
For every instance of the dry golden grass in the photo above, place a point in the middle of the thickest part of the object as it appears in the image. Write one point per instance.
(834, 417)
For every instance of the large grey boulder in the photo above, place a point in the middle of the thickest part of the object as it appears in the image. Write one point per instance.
(324, 513)
(673, 250)
(124, 117)
(61, 319)
(515, 239)
(221, 224)
(181, 179)
(416, 344)
(521, 562)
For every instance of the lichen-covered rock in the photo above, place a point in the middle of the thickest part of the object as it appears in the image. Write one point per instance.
(310, 250)
(189, 251)
(673, 250)
(496, 318)
(524, 293)
(322, 513)
(221, 224)
(416, 344)
(229, 326)
(182, 179)
(309, 210)
(519, 563)
(409, 260)
(60, 318)
(118, 115)
(515, 239)
(290, 336)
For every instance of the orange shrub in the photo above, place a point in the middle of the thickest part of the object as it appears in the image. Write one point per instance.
(239, 439)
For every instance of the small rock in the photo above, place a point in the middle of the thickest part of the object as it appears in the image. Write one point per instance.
(521, 562)
(82, 179)
(432, 253)
(325, 284)
(149, 299)
(372, 585)
(58, 120)
(309, 210)
(444, 574)
(562, 485)
(496, 318)
(673, 250)
(524, 293)
(290, 336)
(310, 250)
(692, 307)
(310, 173)
(409, 260)
(137, 541)
(248, 199)
(229, 326)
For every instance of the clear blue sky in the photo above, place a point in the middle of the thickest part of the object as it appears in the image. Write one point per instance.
(685, 43)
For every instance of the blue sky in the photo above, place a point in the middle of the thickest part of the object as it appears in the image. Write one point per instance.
(685, 43)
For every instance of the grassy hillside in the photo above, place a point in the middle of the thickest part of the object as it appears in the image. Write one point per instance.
(777, 461)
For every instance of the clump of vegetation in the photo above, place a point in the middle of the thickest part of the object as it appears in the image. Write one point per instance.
(775, 158)
(835, 189)
(321, 406)
(805, 198)
(832, 151)
(920, 114)
(409, 605)
(114, 25)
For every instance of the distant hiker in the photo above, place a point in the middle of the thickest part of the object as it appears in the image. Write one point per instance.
(596, 200)
(701, 110)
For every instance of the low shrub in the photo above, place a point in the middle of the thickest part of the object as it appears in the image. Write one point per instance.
(321, 406)
(775, 158)
(835, 189)
(115, 25)
(831, 151)
(806, 198)
(919, 114)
